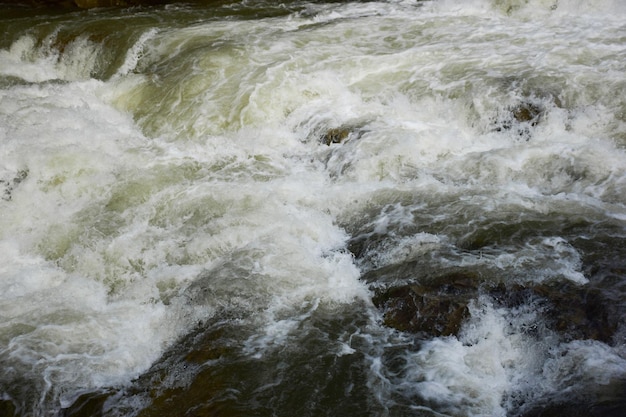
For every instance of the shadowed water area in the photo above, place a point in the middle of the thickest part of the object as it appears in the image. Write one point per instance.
(309, 208)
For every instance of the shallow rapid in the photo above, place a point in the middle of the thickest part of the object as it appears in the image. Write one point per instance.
(400, 208)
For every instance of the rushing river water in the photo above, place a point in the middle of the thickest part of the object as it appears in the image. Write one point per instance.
(255, 208)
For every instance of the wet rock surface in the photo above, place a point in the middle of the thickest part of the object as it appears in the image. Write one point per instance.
(434, 309)
(521, 118)
(88, 4)
(609, 402)
(575, 312)
(22, 8)
(342, 134)
(440, 306)
(183, 379)
(211, 372)
(7, 408)
(87, 405)
(335, 135)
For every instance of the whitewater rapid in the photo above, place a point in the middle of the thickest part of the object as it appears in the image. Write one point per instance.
(165, 170)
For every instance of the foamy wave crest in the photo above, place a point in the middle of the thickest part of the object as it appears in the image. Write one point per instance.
(530, 9)
(135, 53)
(50, 59)
(501, 360)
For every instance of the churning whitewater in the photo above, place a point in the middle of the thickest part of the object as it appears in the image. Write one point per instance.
(309, 208)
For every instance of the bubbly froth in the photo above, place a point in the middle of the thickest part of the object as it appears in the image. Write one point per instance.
(270, 175)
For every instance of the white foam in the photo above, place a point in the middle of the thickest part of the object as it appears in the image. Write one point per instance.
(14, 62)
(23, 274)
(493, 363)
(470, 375)
(39, 62)
(581, 364)
(533, 9)
(54, 284)
(155, 199)
(135, 53)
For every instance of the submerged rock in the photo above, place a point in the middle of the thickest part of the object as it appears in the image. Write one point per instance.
(521, 118)
(87, 405)
(573, 311)
(89, 4)
(335, 135)
(354, 129)
(439, 307)
(576, 312)
(7, 408)
(435, 309)
(527, 112)
(606, 401)
(219, 370)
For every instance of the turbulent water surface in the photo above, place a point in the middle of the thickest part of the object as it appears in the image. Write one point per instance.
(304, 208)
